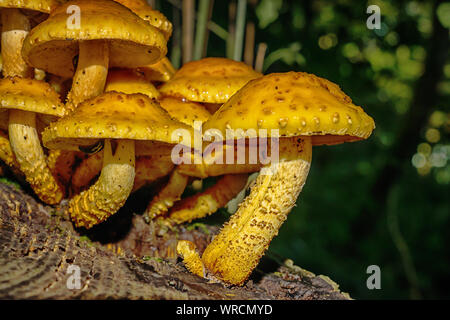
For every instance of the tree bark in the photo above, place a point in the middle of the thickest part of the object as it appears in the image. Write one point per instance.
(38, 244)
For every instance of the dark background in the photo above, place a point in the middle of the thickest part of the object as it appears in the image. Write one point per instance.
(383, 201)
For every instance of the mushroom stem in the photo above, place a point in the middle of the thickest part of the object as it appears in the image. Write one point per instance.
(15, 27)
(91, 71)
(208, 201)
(237, 249)
(88, 169)
(187, 250)
(167, 196)
(30, 156)
(109, 193)
(6, 153)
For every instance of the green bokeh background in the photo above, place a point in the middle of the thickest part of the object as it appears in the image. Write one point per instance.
(384, 201)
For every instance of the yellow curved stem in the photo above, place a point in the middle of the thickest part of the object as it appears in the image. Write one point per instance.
(109, 193)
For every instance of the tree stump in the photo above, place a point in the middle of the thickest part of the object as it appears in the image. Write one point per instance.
(38, 243)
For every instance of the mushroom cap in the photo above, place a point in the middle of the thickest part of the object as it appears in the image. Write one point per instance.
(129, 81)
(30, 95)
(211, 80)
(162, 71)
(112, 115)
(52, 46)
(147, 13)
(295, 103)
(185, 111)
(44, 6)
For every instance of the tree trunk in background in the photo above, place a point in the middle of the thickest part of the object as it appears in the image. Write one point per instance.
(38, 244)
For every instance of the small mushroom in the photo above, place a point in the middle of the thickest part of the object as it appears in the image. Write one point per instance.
(16, 25)
(24, 99)
(162, 71)
(209, 80)
(237, 249)
(120, 122)
(147, 13)
(106, 34)
(125, 81)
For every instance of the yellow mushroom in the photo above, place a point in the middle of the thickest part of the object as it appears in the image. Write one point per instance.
(208, 201)
(147, 13)
(121, 122)
(91, 36)
(162, 71)
(6, 153)
(16, 24)
(210, 81)
(304, 110)
(24, 99)
(61, 163)
(125, 81)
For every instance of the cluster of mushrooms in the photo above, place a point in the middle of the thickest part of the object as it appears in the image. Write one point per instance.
(88, 113)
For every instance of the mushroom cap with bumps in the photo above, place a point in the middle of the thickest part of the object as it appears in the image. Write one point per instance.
(210, 80)
(129, 81)
(185, 111)
(44, 6)
(113, 115)
(146, 12)
(53, 44)
(30, 95)
(297, 104)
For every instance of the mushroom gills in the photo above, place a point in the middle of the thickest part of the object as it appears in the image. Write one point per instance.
(27, 148)
(15, 27)
(109, 193)
(91, 72)
(237, 249)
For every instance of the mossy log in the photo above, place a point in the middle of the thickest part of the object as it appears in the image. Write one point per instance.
(38, 244)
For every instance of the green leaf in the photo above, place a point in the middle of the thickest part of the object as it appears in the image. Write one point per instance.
(443, 14)
(268, 11)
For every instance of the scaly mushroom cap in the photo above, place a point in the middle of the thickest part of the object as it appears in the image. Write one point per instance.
(129, 81)
(52, 46)
(112, 115)
(185, 111)
(30, 95)
(296, 103)
(210, 80)
(146, 12)
(162, 71)
(44, 6)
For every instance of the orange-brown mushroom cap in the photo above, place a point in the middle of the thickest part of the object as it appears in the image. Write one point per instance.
(297, 104)
(44, 6)
(147, 13)
(53, 44)
(24, 98)
(162, 71)
(210, 80)
(300, 106)
(128, 119)
(129, 81)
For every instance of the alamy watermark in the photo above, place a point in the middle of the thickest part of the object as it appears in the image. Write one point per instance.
(74, 280)
(374, 280)
(374, 20)
(238, 146)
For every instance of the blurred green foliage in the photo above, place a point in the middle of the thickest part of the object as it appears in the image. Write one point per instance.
(344, 220)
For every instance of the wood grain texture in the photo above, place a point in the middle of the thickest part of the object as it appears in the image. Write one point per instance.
(38, 243)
